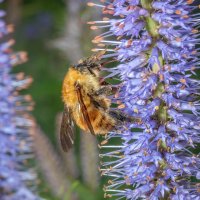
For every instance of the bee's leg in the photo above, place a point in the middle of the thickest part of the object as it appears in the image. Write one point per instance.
(98, 98)
(107, 90)
(113, 88)
(122, 117)
(118, 115)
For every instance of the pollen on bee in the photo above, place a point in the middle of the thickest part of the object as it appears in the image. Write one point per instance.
(121, 106)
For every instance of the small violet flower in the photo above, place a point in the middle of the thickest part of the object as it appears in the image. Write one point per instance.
(15, 140)
(156, 45)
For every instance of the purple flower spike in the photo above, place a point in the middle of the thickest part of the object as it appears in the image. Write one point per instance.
(155, 43)
(15, 140)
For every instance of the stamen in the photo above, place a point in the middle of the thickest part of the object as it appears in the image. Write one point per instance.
(91, 4)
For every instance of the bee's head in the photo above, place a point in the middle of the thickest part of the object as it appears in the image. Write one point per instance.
(92, 68)
(91, 64)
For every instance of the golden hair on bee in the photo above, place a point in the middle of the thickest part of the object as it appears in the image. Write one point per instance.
(86, 101)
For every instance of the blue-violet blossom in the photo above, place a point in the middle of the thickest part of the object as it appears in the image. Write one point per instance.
(155, 43)
(15, 140)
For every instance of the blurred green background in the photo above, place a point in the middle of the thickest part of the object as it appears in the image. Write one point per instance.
(54, 33)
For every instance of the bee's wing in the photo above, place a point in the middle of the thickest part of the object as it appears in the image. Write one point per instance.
(67, 130)
(84, 109)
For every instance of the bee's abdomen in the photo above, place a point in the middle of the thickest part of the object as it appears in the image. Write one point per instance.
(101, 121)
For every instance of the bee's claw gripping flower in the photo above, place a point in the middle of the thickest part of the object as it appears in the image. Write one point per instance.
(15, 141)
(155, 43)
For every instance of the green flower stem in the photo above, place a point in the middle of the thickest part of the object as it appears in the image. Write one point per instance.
(151, 25)
(146, 4)
(152, 28)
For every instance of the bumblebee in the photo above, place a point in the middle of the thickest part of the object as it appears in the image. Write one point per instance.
(86, 102)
